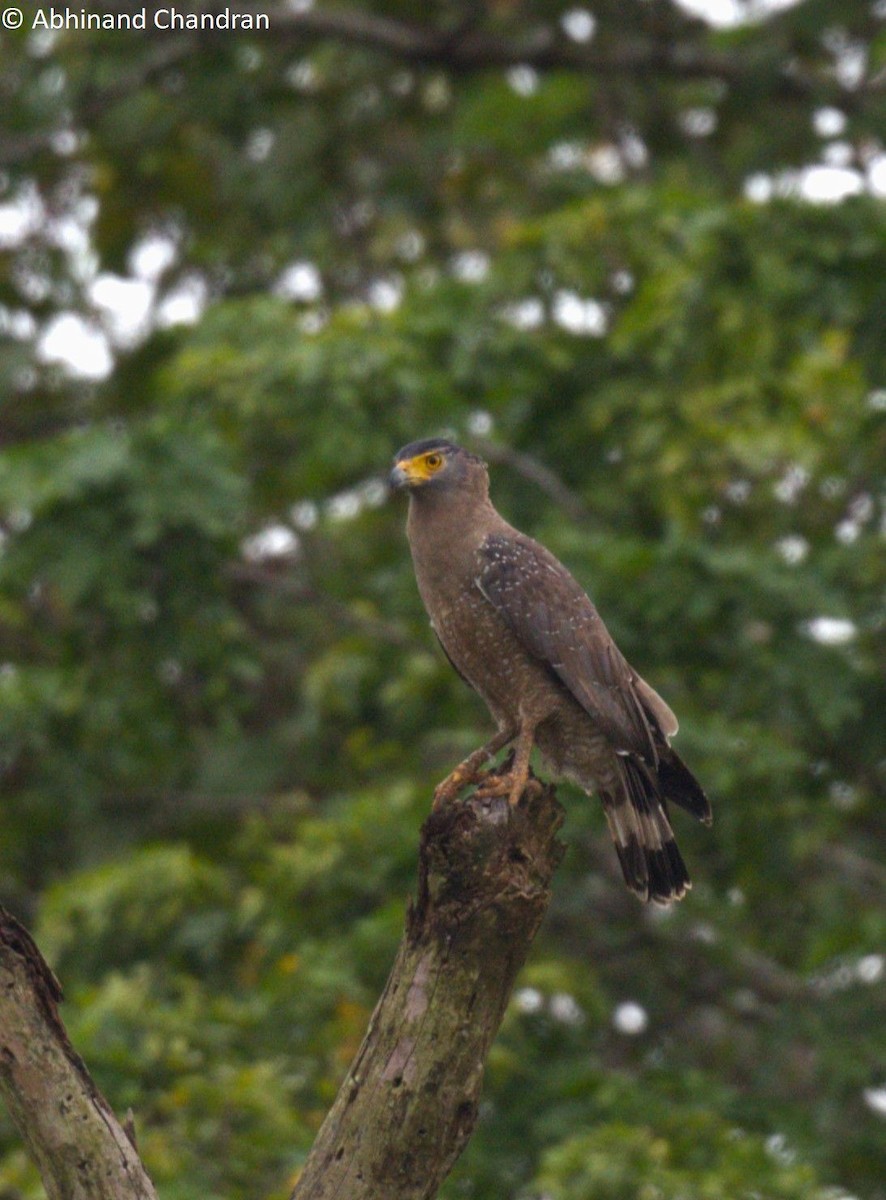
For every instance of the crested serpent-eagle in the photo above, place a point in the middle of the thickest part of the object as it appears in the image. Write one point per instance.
(523, 634)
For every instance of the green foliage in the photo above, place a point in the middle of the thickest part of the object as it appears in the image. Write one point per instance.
(700, 1160)
(218, 748)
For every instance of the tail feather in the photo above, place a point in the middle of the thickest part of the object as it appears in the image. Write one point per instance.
(677, 783)
(644, 841)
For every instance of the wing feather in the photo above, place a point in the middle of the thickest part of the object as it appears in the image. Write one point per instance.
(552, 616)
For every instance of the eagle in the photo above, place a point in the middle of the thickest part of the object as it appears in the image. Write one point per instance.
(521, 631)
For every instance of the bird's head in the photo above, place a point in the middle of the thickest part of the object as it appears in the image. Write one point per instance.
(436, 466)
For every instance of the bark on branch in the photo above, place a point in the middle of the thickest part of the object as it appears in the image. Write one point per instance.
(409, 1102)
(78, 1145)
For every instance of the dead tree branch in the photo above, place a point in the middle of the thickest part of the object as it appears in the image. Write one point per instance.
(409, 1102)
(79, 1147)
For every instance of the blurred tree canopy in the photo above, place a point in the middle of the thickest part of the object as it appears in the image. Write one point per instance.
(639, 261)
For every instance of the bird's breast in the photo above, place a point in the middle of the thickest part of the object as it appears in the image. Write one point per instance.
(448, 560)
(486, 652)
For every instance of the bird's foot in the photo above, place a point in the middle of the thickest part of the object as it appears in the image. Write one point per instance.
(493, 785)
(455, 782)
(511, 784)
(470, 771)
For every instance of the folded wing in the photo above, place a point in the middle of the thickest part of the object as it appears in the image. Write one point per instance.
(554, 619)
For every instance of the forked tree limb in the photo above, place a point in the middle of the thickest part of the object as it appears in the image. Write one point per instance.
(409, 1102)
(76, 1142)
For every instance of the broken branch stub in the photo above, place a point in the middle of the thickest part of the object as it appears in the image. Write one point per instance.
(410, 1099)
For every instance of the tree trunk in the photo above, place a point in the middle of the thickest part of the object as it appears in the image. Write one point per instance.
(409, 1102)
(79, 1147)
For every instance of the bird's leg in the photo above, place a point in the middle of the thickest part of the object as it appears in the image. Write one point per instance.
(514, 783)
(466, 772)
(520, 770)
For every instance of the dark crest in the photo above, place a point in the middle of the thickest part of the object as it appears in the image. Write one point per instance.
(426, 445)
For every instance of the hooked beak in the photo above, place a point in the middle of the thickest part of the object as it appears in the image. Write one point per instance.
(399, 477)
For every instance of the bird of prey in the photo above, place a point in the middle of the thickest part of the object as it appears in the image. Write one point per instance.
(523, 634)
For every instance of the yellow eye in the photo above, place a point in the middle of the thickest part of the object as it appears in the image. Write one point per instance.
(433, 461)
